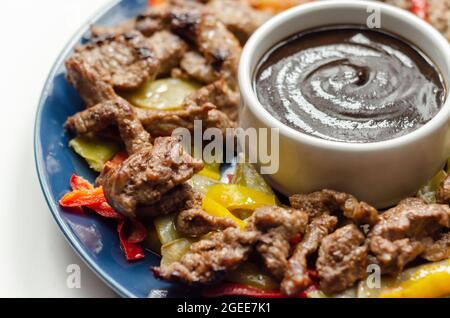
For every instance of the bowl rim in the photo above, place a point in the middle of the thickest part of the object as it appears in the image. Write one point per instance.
(40, 164)
(251, 101)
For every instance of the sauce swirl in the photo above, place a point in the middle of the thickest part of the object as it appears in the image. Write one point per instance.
(349, 84)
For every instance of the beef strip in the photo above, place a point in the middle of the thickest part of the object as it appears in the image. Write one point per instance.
(169, 49)
(212, 39)
(208, 260)
(124, 27)
(122, 61)
(239, 17)
(194, 65)
(157, 123)
(296, 277)
(220, 95)
(278, 227)
(163, 123)
(438, 249)
(443, 192)
(329, 201)
(148, 174)
(118, 112)
(342, 259)
(173, 201)
(404, 232)
(195, 223)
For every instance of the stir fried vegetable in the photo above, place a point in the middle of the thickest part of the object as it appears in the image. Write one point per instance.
(162, 94)
(250, 275)
(201, 184)
(214, 208)
(174, 251)
(165, 229)
(247, 176)
(234, 197)
(94, 150)
(429, 280)
(428, 191)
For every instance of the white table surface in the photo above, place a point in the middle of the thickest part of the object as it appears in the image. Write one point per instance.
(34, 255)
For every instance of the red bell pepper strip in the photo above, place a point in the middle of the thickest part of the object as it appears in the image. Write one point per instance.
(156, 2)
(132, 251)
(420, 8)
(118, 159)
(137, 232)
(238, 290)
(83, 198)
(296, 240)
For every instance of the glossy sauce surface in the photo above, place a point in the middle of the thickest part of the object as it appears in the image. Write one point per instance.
(349, 84)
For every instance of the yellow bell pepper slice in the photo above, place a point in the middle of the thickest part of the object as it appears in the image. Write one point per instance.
(214, 208)
(162, 94)
(428, 191)
(210, 174)
(236, 197)
(428, 281)
(247, 176)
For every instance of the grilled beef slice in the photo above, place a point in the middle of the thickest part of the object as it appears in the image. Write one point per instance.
(296, 277)
(405, 231)
(122, 61)
(239, 17)
(342, 259)
(338, 203)
(148, 174)
(113, 112)
(208, 260)
(278, 226)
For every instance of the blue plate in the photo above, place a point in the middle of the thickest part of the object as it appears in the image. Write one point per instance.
(94, 239)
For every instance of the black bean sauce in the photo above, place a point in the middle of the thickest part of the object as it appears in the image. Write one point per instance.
(350, 84)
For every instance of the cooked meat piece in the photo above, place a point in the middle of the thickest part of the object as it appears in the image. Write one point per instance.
(85, 79)
(195, 223)
(404, 231)
(148, 174)
(220, 95)
(195, 66)
(209, 259)
(393, 256)
(239, 17)
(124, 27)
(278, 227)
(173, 201)
(103, 115)
(163, 123)
(155, 18)
(342, 259)
(168, 48)
(296, 277)
(443, 192)
(329, 201)
(439, 249)
(218, 45)
(123, 61)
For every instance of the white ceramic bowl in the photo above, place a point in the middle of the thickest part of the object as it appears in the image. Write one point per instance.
(381, 173)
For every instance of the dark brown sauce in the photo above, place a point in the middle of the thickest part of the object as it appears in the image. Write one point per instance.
(350, 84)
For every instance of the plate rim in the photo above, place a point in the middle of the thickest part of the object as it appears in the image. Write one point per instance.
(40, 164)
